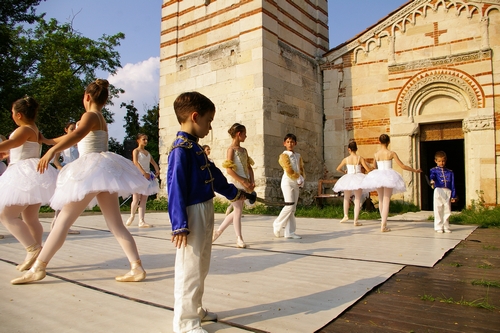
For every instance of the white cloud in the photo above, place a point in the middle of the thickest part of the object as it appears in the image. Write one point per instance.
(141, 84)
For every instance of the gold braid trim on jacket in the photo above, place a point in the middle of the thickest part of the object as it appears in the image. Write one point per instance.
(238, 195)
(284, 161)
(228, 164)
(302, 168)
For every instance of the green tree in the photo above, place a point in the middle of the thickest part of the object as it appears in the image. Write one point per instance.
(150, 127)
(12, 13)
(115, 147)
(132, 126)
(57, 64)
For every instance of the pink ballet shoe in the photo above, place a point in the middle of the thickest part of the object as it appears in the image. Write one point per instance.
(344, 219)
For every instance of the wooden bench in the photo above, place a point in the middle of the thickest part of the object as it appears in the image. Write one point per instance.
(323, 186)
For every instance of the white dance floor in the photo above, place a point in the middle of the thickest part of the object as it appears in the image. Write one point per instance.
(275, 285)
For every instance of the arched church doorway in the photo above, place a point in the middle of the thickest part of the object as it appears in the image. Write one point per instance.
(449, 138)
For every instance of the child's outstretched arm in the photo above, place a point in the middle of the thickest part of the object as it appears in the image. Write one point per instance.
(20, 136)
(365, 165)
(48, 142)
(86, 124)
(403, 166)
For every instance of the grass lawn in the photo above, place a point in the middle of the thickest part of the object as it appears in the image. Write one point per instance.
(477, 213)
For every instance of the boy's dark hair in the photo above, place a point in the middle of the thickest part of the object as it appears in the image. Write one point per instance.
(290, 136)
(352, 146)
(187, 103)
(440, 154)
(27, 106)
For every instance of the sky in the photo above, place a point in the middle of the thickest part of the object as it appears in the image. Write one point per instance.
(140, 50)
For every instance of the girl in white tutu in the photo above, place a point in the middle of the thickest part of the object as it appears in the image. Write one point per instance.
(142, 159)
(23, 189)
(97, 175)
(68, 155)
(384, 179)
(239, 166)
(351, 182)
(3, 166)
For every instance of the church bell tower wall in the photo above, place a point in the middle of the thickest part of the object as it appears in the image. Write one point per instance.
(258, 62)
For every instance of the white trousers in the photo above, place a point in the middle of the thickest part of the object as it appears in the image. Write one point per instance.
(286, 219)
(191, 268)
(442, 208)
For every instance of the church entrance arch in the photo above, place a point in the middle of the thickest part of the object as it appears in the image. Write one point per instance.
(437, 101)
(448, 137)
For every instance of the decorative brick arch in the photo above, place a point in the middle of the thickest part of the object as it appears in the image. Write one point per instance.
(428, 84)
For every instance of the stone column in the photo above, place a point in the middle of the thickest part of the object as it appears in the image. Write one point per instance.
(480, 168)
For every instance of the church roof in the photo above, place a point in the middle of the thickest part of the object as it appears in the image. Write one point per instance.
(371, 31)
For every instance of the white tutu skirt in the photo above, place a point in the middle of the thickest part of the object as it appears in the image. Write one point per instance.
(384, 178)
(153, 187)
(349, 182)
(22, 185)
(95, 173)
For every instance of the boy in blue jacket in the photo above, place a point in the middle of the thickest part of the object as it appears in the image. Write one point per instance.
(192, 181)
(443, 183)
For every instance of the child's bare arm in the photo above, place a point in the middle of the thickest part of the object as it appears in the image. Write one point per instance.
(180, 240)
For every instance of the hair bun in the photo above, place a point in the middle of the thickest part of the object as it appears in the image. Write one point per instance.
(102, 83)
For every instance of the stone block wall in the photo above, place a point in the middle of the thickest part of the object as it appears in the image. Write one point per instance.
(431, 62)
(258, 62)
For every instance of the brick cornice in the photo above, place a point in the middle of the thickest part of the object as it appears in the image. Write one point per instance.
(407, 15)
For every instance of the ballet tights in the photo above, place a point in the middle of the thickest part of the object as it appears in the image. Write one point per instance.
(234, 217)
(109, 205)
(139, 200)
(27, 230)
(357, 203)
(384, 199)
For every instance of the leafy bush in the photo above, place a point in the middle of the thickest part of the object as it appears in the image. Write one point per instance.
(478, 213)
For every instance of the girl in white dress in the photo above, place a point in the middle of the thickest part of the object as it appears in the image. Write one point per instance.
(96, 176)
(142, 159)
(384, 179)
(351, 182)
(68, 155)
(239, 166)
(23, 189)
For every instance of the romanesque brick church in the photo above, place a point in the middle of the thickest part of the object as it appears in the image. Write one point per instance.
(425, 74)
